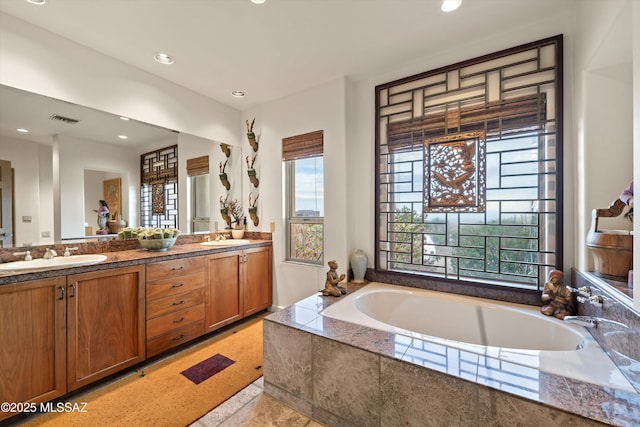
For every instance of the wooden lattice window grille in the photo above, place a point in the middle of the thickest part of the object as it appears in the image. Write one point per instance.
(159, 188)
(468, 171)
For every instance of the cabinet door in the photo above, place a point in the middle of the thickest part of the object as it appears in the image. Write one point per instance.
(105, 311)
(223, 301)
(256, 281)
(33, 341)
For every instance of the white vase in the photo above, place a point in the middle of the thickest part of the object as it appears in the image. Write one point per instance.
(359, 265)
(237, 233)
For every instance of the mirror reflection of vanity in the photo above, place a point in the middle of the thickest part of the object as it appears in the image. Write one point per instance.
(60, 168)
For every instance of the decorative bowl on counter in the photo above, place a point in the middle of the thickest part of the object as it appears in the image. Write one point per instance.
(157, 244)
(157, 239)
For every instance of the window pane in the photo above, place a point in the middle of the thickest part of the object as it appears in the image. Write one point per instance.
(307, 242)
(308, 193)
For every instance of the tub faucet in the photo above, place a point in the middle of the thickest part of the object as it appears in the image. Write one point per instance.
(50, 254)
(592, 322)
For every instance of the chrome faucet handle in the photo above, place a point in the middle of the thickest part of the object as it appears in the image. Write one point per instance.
(27, 255)
(596, 300)
(49, 254)
(583, 291)
(66, 251)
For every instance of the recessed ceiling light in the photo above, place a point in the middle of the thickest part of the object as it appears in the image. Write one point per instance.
(163, 58)
(38, 2)
(450, 5)
(238, 93)
(258, 1)
(22, 130)
(124, 118)
(123, 136)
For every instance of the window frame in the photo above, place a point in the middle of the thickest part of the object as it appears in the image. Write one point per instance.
(390, 100)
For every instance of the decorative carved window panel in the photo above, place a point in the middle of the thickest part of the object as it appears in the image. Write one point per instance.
(159, 188)
(454, 173)
(468, 169)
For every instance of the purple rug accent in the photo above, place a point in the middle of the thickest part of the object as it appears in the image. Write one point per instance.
(207, 368)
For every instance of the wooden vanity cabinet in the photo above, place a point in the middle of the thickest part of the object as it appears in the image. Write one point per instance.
(105, 323)
(257, 292)
(222, 294)
(175, 303)
(33, 357)
(238, 285)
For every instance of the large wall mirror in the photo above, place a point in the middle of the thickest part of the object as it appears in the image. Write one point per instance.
(61, 155)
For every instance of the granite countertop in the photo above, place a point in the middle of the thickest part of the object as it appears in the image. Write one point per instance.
(124, 258)
(604, 404)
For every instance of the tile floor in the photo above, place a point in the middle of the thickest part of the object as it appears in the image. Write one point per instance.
(251, 407)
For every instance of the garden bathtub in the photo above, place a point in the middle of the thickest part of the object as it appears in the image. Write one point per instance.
(515, 333)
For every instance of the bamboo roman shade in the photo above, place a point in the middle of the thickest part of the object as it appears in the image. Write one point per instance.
(303, 146)
(198, 166)
(509, 116)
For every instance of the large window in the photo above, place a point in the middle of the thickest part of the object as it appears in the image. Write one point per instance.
(304, 172)
(469, 169)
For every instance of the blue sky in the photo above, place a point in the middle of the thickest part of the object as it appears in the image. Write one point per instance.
(310, 185)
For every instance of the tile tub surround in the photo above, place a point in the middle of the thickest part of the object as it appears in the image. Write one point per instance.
(622, 344)
(343, 374)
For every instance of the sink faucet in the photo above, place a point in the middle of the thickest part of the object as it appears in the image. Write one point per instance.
(27, 255)
(67, 251)
(591, 322)
(50, 254)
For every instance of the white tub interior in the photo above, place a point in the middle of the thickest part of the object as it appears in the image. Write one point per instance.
(516, 333)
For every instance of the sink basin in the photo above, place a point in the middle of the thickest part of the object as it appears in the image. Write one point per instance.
(61, 261)
(226, 242)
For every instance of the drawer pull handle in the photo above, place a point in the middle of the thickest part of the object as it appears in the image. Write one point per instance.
(178, 302)
(179, 337)
(177, 285)
(177, 268)
(61, 292)
(179, 320)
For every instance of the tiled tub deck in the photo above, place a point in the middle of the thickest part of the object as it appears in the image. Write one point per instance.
(342, 374)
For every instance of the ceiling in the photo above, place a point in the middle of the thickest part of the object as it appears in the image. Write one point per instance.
(277, 48)
(20, 109)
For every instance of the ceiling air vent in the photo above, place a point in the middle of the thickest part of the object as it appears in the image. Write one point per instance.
(64, 119)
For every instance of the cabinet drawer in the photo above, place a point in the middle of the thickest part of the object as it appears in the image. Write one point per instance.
(175, 337)
(173, 286)
(175, 320)
(174, 268)
(161, 306)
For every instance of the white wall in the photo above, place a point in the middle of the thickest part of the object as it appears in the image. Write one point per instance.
(361, 126)
(25, 158)
(41, 62)
(320, 108)
(603, 115)
(77, 156)
(189, 147)
(635, 45)
(37, 61)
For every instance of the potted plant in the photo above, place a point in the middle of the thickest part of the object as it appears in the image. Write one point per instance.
(237, 215)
